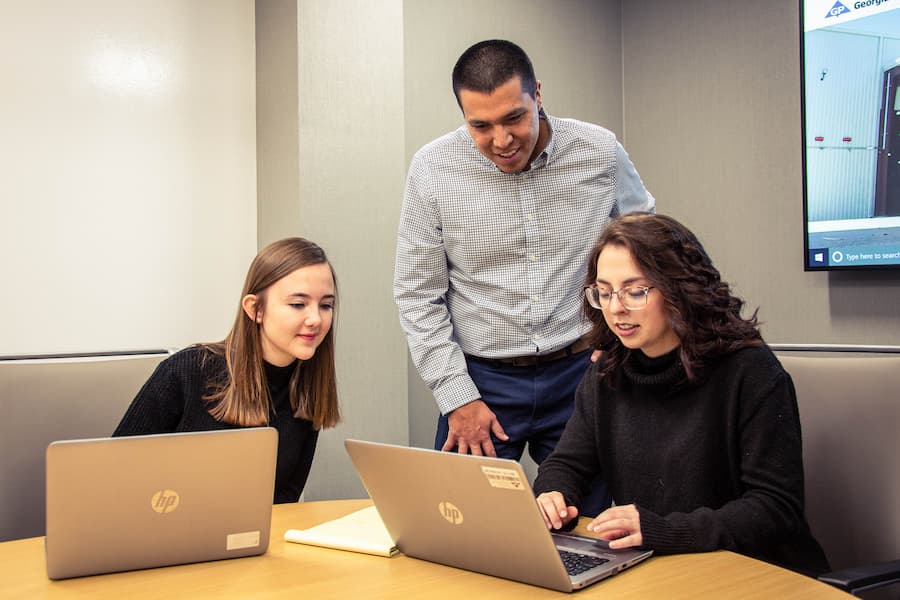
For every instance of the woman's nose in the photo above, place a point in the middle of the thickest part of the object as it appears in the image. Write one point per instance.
(313, 317)
(615, 304)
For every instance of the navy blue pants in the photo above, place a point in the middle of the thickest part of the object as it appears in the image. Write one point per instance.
(533, 405)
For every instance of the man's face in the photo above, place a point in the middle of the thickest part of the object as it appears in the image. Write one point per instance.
(504, 124)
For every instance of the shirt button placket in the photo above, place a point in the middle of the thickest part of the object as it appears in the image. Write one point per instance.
(532, 233)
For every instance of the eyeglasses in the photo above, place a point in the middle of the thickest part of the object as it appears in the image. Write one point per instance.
(632, 297)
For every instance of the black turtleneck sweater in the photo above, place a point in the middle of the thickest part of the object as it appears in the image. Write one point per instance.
(172, 401)
(716, 464)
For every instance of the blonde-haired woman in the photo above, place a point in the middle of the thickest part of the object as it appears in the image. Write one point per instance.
(275, 367)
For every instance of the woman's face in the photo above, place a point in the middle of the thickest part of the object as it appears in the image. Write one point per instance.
(647, 329)
(297, 314)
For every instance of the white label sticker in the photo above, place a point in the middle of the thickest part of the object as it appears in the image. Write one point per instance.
(503, 478)
(237, 541)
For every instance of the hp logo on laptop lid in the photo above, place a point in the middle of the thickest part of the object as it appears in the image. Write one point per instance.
(450, 512)
(164, 501)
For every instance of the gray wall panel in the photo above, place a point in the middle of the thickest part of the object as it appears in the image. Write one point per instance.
(345, 128)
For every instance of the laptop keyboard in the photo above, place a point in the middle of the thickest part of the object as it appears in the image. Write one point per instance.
(579, 563)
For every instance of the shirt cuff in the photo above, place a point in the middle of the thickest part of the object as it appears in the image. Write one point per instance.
(455, 392)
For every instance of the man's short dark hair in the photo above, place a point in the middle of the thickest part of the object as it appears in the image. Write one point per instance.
(489, 64)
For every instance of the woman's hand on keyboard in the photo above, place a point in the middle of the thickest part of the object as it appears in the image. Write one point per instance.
(554, 510)
(621, 525)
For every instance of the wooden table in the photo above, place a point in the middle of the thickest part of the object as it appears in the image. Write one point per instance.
(305, 572)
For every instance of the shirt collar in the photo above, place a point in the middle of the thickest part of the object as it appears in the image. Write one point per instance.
(543, 158)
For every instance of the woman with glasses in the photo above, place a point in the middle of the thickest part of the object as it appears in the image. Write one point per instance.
(687, 415)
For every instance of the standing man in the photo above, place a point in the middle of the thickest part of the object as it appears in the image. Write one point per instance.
(498, 219)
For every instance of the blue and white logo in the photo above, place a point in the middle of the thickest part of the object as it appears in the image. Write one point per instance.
(817, 257)
(837, 10)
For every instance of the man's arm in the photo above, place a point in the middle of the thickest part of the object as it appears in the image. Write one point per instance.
(421, 280)
(631, 195)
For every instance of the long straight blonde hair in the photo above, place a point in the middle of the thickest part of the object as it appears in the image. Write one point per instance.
(244, 398)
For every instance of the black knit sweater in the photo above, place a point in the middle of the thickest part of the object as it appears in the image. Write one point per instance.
(716, 464)
(172, 401)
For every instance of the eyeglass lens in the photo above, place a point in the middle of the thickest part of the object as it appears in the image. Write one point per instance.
(631, 297)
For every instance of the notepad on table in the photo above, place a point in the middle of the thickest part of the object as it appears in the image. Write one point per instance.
(360, 531)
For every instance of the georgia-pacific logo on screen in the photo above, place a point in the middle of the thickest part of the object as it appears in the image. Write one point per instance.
(837, 10)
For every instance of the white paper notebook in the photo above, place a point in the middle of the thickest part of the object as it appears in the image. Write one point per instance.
(360, 531)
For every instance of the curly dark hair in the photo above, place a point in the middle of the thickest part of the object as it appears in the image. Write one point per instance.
(702, 311)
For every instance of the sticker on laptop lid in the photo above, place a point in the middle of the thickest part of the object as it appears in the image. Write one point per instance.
(503, 478)
(239, 541)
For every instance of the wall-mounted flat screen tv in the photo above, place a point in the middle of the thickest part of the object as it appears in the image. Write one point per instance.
(850, 57)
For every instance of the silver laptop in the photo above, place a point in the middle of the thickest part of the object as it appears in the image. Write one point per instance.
(476, 513)
(117, 504)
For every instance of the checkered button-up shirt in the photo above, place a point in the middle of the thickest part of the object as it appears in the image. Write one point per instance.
(491, 263)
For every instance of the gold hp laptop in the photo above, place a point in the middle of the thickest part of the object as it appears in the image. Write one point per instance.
(117, 504)
(479, 514)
